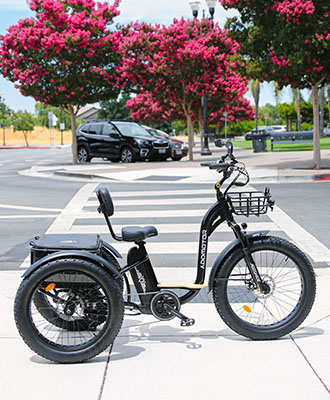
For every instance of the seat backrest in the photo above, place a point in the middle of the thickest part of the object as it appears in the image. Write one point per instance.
(105, 201)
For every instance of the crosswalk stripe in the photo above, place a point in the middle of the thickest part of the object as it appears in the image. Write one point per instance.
(67, 222)
(64, 221)
(205, 192)
(174, 228)
(307, 242)
(172, 201)
(144, 214)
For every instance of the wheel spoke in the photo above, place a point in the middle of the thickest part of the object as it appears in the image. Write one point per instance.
(282, 292)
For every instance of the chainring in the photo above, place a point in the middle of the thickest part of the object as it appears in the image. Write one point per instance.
(159, 300)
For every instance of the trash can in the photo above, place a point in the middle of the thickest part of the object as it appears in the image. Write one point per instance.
(259, 142)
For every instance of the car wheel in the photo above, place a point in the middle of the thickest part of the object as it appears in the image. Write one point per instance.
(176, 158)
(83, 155)
(127, 155)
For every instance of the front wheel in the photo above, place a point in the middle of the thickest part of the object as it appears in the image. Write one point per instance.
(287, 298)
(69, 310)
(127, 155)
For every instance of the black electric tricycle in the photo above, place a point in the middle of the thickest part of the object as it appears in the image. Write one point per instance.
(71, 302)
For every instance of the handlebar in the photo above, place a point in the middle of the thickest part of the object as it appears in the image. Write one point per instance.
(215, 165)
(228, 167)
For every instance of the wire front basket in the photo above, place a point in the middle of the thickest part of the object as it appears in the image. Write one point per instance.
(250, 203)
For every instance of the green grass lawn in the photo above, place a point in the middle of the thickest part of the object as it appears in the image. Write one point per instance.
(278, 146)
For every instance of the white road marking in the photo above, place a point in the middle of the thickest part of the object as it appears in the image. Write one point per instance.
(64, 221)
(174, 228)
(140, 193)
(174, 201)
(303, 239)
(26, 263)
(29, 208)
(74, 210)
(30, 216)
(145, 214)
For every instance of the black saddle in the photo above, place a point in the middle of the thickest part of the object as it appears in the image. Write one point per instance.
(128, 233)
(137, 233)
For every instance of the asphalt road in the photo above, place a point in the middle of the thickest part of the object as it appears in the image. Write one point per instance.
(29, 205)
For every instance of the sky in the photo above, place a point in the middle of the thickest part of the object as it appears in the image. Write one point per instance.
(153, 11)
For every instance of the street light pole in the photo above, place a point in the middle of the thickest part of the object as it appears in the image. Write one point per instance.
(195, 7)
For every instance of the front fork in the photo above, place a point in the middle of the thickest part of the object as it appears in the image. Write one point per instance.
(248, 258)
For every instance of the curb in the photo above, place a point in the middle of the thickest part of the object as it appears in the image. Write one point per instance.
(23, 147)
(275, 179)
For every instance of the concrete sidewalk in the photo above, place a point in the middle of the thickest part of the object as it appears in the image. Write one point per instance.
(263, 167)
(161, 360)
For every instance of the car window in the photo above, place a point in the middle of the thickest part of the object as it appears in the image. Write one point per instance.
(164, 134)
(108, 129)
(132, 130)
(95, 129)
(84, 128)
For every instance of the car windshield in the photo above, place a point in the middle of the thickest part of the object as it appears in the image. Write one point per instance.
(155, 133)
(132, 130)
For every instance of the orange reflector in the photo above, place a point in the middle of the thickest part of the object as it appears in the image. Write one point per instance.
(247, 308)
(50, 287)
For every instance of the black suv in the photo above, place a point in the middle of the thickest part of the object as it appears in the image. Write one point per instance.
(119, 141)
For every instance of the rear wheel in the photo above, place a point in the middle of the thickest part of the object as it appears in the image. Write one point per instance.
(289, 293)
(83, 155)
(69, 310)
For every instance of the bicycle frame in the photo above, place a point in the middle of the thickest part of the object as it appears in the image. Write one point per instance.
(142, 272)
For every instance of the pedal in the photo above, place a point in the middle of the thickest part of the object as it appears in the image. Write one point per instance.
(187, 322)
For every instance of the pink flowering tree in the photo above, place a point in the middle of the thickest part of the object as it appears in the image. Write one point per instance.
(64, 56)
(145, 108)
(240, 110)
(287, 41)
(180, 63)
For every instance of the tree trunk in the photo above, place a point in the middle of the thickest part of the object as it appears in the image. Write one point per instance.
(316, 133)
(190, 136)
(201, 125)
(74, 136)
(187, 111)
(217, 130)
(26, 139)
(298, 109)
(322, 95)
(328, 90)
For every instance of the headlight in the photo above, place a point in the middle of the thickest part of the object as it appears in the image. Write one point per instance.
(177, 146)
(142, 142)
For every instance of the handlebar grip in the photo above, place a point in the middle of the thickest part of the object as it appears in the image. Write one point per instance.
(213, 165)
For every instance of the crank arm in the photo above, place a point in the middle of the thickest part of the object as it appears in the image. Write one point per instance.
(185, 321)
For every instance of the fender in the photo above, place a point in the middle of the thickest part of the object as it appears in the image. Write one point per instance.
(230, 249)
(111, 249)
(85, 255)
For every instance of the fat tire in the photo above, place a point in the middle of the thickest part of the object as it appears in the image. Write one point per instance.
(25, 325)
(51, 316)
(305, 304)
